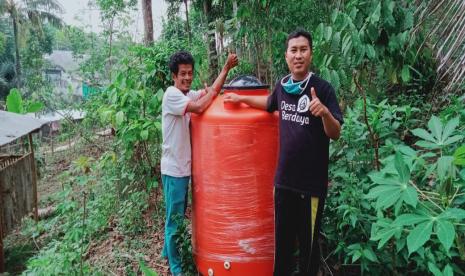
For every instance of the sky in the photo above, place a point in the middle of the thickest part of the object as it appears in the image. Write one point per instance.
(77, 13)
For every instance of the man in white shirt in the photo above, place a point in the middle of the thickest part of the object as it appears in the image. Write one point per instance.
(178, 102)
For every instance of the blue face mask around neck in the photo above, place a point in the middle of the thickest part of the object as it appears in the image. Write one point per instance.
(295, 88)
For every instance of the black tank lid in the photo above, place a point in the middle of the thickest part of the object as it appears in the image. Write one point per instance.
(245, 82)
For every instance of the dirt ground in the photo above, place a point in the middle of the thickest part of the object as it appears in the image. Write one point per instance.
(119, 253)
(116, 253)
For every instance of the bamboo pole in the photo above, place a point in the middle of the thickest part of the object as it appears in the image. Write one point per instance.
(34, 179)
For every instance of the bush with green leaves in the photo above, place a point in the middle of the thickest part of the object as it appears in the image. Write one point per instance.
(131, 104)
(372, 42)
(419, 196)
(409, 216)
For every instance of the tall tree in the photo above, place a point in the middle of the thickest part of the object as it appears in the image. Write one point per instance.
(173, 10)
(7, 59)
(110, 11)
(148, 21)
(211, 41)
(188, 28)
(33, 12)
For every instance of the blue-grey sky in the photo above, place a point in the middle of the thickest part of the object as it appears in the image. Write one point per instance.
(77, 13)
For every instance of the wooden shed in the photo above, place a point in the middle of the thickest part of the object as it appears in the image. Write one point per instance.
(18, 174)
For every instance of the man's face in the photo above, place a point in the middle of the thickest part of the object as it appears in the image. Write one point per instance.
(183, 80)
(298, 56)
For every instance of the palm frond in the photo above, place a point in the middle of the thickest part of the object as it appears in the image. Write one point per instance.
(47, 5)
(51, 18)
(2, 6)
(446, 20)
(40, 11)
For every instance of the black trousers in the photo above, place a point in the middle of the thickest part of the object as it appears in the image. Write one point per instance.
(297, 218)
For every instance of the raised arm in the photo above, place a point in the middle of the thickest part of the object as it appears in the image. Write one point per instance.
(210, 93)
(231, 62)
(201, 104)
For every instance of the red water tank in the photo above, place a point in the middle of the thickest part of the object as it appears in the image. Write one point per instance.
(234, 156)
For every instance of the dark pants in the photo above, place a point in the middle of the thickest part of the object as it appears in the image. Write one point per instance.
(297, 217)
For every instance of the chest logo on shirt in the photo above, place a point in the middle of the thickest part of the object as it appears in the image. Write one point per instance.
(303, 104)
(296, 113)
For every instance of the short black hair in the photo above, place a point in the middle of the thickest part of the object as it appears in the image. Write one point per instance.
(296, 34)
(180, 57)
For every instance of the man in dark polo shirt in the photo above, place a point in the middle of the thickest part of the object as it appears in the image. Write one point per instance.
(309, 115)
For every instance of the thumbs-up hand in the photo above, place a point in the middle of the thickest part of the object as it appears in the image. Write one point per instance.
(232, 61)
(316, 107)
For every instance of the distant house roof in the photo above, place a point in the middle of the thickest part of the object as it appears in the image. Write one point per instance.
(58, 115)
(14, 126)
(63, 59)
(55, 70)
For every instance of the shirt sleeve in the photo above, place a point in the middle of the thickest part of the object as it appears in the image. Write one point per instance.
(175, 102)
(272, 101)
(333, 105)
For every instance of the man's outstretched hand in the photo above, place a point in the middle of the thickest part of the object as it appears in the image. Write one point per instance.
(231, 98)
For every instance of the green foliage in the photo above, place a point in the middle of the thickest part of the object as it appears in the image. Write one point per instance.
(130, 217)
(7, 77)
(459, 156)
(111, 8)
(372, 40)
(369, 42)
(439, 136)
(396, 187)
(145, 270)
(7, 60)
(184, 244)
(80, 217)
(2, 43)
(412, 210)
(265, 25)
(173, 29)
(405, 218)
(38, 43)
(132, 105)
(15, 103)
(73, 39)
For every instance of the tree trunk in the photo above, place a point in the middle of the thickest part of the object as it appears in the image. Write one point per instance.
(148, 21)
(270, 73)
(188, 27)
(238, 48)
(212, 55)
(110, 44)
(16, 35)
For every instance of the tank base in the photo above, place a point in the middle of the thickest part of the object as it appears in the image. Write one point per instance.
(263, 268)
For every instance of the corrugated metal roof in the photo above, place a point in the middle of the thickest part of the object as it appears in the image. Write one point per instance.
(64, 59)
(58, 115)
(14, 126)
